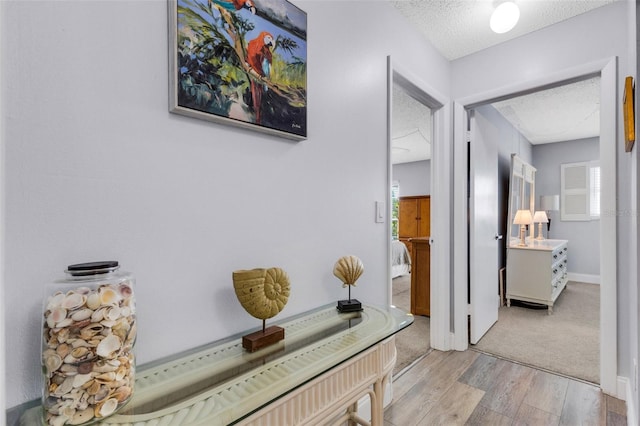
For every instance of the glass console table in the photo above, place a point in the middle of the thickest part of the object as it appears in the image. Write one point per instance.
(326, 363)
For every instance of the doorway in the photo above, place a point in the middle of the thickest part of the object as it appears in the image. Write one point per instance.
(566, 340)
(430, 100)
(607, 70)
(411, 188)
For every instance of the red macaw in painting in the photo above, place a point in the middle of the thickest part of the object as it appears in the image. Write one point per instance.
(259, 58)
(235, 4)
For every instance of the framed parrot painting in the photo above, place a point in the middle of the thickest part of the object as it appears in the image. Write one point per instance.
(240, 62)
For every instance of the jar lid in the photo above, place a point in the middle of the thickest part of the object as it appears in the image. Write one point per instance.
(93, 268)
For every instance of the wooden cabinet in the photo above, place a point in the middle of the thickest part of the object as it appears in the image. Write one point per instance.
(420, 276)
(537, 272)
(414, 218)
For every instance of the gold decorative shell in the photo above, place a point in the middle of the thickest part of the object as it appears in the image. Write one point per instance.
(262, 292)
(348, 269)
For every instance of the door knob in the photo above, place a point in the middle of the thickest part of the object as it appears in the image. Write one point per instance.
(498, 236)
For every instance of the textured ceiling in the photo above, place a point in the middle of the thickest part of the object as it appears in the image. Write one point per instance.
(460, 27)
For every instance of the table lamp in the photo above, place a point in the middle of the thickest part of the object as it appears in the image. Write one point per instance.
(549, 203)
(523, 217)
(540, 217)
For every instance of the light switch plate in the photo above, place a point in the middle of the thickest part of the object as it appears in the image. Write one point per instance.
(380, 212)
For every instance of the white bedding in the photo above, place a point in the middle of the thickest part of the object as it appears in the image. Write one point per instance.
(400, 259)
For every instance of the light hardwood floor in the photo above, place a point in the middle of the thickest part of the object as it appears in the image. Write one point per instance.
(471, 388)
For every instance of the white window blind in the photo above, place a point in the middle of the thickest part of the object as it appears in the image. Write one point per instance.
(594, 192)
(575, 192)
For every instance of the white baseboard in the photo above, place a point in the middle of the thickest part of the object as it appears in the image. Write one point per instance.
(626, 393)
(584, 278)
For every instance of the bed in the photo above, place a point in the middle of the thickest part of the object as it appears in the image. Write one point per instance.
(400, 259)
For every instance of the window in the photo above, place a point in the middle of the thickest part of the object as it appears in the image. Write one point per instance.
(395, 200)
(580, 191)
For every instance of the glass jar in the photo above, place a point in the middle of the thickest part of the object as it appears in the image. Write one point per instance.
(89, 333)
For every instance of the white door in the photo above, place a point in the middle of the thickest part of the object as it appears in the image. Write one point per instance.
(483, 223)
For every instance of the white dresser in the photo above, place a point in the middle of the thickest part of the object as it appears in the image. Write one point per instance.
(536, 272)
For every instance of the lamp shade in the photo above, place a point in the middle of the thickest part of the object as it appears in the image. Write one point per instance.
(549, 202)
(540, 217)
(523, 217)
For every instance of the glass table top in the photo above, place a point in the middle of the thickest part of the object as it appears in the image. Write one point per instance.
(233, 383)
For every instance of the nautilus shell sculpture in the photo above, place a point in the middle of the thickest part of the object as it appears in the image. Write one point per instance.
(263, 293)
(348, 269)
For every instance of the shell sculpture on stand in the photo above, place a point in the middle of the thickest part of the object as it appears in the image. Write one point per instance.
(348, 269)
(263, 293)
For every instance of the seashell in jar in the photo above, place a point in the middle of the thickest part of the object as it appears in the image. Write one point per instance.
(348, 269)
(112, 313)
(106, 377)
(82, 314)
(55, 300)
(63, 335)
(90, 331)
(93, 387)
(69, 369)
(65, 387)
(122, 372)
(56, 315)
(95, 341)
(63, 350)
(64, 323)
(122, 393)
(102, 393)
(108, 323)
(77, 343)
(109, 296)
(124, 288)
(98, 314)
(73, 300)
(77, 355)
(93, 301)
(109, 346)
(85, 367)
(121, 328)
(106, 408)
(80, 379)
(81, 417)
(52, 361)
(131, 336)
(104, 367)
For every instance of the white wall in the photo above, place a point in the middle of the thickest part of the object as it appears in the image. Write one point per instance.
(96, 168)
(413, 178)
(584, 237)
(593, 36)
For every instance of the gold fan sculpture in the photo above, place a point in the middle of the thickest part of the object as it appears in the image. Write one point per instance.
(348, 269)
(263, 293)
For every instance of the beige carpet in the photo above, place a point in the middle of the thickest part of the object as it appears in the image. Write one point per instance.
(413, 341)
(565, 342)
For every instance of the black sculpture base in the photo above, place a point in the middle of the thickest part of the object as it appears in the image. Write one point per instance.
(351, 305)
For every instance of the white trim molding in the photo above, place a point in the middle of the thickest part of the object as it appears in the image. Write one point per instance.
(441, 193)
(584, 278)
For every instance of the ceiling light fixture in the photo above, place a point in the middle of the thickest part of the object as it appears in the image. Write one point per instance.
(505, 17)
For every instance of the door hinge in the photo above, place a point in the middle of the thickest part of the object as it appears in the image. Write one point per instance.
(469, 309)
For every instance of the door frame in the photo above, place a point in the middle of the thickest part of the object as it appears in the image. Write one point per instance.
(441, 185)
(607, 69)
